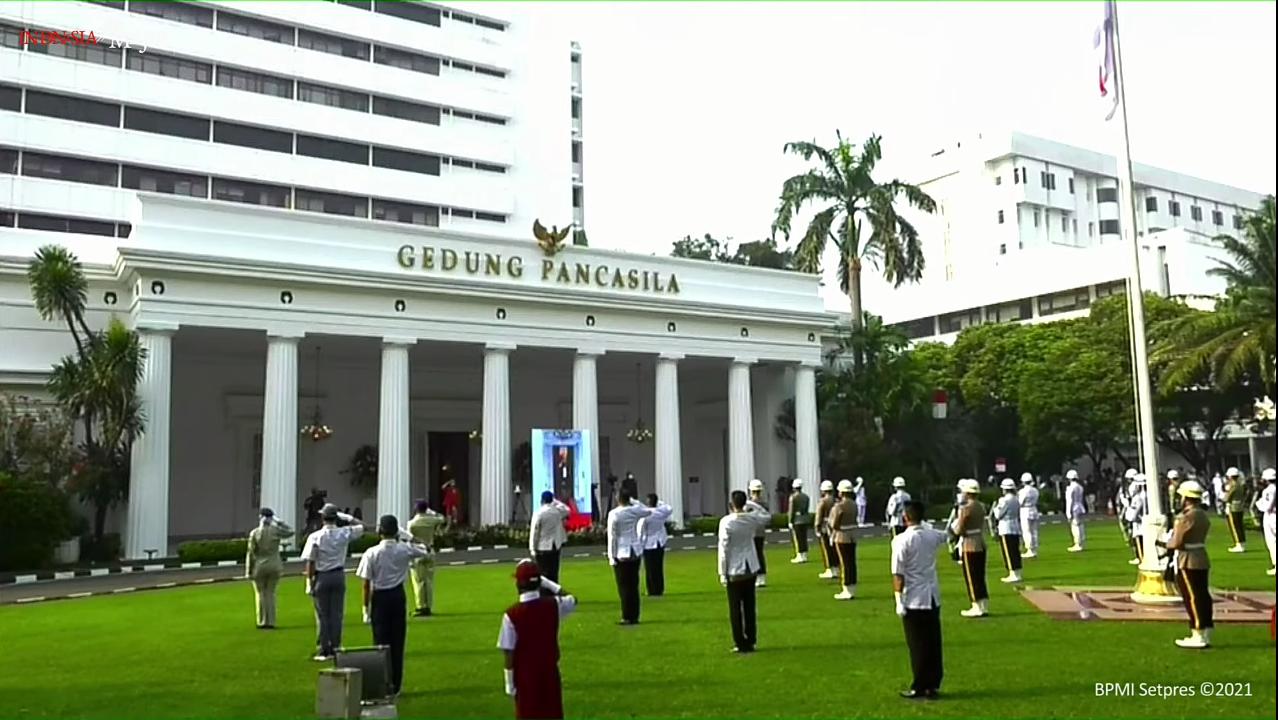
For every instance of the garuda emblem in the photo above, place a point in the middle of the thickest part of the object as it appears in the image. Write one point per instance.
(552, 240)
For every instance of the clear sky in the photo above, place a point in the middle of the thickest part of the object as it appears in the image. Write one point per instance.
(687, 105)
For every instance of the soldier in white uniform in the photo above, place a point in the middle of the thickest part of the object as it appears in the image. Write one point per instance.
(1137, 506)
(760, 534)
(1265, 505)
(625, 552)
(861, 501)
(1075, 510)
(546, 535)
(896, 506)
(1007, 515)
(1028, 498)
(739, 566)
(1122, 501)
(1218, 492)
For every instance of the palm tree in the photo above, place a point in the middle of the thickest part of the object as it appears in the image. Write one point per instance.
(97, 385)
(1237, 340)
(843, 182)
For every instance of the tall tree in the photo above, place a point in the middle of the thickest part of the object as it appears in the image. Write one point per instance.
(859, 216)
(1238, 338)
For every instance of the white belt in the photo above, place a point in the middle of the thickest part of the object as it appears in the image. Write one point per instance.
(971, 532)
(848, 528)
(1194, 546)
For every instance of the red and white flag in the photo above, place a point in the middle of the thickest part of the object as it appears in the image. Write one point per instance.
(1107, 74)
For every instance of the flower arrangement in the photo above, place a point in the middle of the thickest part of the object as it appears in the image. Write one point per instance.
(362, 467)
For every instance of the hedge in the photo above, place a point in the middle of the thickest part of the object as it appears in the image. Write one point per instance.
(212, 550)
(34, 519)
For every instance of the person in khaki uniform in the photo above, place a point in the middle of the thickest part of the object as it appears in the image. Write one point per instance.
(822, 527)
(800, 521)
(1236, 507)
(422, 527)
(843, 524)
(1189, 540)
(969, 528)
(264, 566)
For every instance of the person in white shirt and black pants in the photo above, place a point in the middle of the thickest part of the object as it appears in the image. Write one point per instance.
(546, 536)
(384, 568)
(325, 568)
(625, 551)
(652, 531)
(918, 600)
(739, 565)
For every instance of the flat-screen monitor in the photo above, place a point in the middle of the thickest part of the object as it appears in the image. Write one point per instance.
(374, 666)
(561, 464)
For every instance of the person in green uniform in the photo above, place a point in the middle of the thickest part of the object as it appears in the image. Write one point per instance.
(422, 527)
(800, 521)
(264, 566)
(1189, 540)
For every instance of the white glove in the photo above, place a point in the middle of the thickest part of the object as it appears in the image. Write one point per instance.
(510, 683)
(723, 580)
(367, 620)
(310, 590)
(900, 606)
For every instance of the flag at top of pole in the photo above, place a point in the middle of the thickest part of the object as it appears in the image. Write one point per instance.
(1108, 72)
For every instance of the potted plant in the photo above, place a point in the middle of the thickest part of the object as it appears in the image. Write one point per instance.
(362, 468)
(68, 552)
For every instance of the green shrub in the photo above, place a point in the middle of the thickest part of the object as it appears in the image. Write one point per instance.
(588, 536)
(701, 525)
(212, 550)
(34, 518)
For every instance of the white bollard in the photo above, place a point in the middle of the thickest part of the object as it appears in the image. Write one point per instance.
(338, 693)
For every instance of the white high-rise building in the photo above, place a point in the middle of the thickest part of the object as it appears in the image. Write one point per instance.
(395, 111)
(1027, 228)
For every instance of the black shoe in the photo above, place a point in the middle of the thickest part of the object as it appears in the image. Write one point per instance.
(914, 694)
(627, 622)
(932, 694)
(743, 650)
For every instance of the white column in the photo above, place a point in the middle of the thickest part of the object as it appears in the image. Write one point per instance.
(147, 522)
(669, 476)
(279, 428)
(740, 426)
(807, 451)
(494, 508)
(393, 487)
(585, 405)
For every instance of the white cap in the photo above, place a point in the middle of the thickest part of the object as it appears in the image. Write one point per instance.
(1189, 488)
(860, 481)
(756, 484)
(1268, 475)
(845, 486)
(1131, 473)
(1027, 477)
(969, 486)
(1138, 479)
(1172, 474)
(827, 486)
(1232, 472)
(898, 481)
(1008, 484)
(1071, 475)
(796, 484)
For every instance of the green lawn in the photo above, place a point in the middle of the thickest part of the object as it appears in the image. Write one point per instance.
(194, 652)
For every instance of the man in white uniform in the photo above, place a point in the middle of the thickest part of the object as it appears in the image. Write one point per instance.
(1134, 517)
(546, 535)
(896, 506)
(1075, 510)
(384, 568)
(1265, 505)
(739, 565)
(1007, 515)
(625, 552)
(652, 531)
(918, 599)
(1028, 499)
(1218, 492)
(325, 568)
(861, 502)
(760, 533)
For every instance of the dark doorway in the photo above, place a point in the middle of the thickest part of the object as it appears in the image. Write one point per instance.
(449, 459)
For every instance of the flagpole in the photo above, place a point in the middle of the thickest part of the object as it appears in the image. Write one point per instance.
(1151, 587)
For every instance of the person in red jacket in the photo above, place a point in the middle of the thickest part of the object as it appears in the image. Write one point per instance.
(530, 640)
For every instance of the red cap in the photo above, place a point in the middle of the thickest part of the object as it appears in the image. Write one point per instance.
(526, 571)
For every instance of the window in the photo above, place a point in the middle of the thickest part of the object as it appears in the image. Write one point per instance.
(1042, 178)
(176, 11)
(254, 82)
(123, 230)
(330, 203)
(1016, 176)
(10, 98)
(490, 71)
(1010, 312)
(1111, 288)
(70, 169)
(1151, 204)
(576, 198)
(1109, 227)
(1238, 222)
(1075, 226)
(251, 193)
(1051, 181)
(405, 213)
(914, 329)
(490, 217)
(73, 108)
(1196, 213)
(58, 223)
(405, 110)
(1071, 186)
(1076, 299)
(1037, 218)
(1217, 217)
(164, 123)
(1106, 195)
(489, 167)
(116, 4)
(1000, 217)
(406, 60)
(998, 179)
(254, 28)
(168, 66)
(100, 53)
(405, 160)
(333, 97)
(488, 119)
(1174, 208)
(246, 136)
(332, 44)
(408, 11)
(8, 161)
(341, 151)
(576, 109)
(164, 181)
(1064, 224)
(7, 219)
(954, 322)
(1002, 249)
(10, 37)
(576, 152)
(465, 214)
(361, 4)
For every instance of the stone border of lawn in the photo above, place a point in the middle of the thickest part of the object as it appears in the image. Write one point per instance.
(175, 564)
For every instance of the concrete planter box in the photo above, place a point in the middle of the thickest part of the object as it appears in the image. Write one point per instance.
(68, 552)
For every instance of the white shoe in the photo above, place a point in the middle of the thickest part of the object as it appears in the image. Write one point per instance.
(1134, 561)
(1196, 640)
(1030, 554)
(1013, 578)
(1270, 572)
(1238, 549)
(1075, 548)
(974, 612)
(761, 581)
(322, 658)
(847, 593)
(827, 575)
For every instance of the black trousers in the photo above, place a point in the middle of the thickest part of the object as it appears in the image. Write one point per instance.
(389, 615)
(1236, 527)
(923, 637)
(654, 571)
(763, 559)
(827, 552)
(799, 533)
(1011, 545)
(846, 552)
(741, 607)
(1197, 596)
(974, 575)
(627, 575)
(548, 564)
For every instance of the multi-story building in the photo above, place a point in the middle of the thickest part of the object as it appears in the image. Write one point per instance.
(394, 111)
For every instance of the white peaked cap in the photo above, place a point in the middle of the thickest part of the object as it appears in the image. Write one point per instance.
(1172, 474)
(796, 484)
(845, 485)
(1232, 472)
(1027, 477)
(1131, 473)
(826, 486)
(1268, 475)
(898, 481)
(1008, 484)
(756, 484)
(1072, 475)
